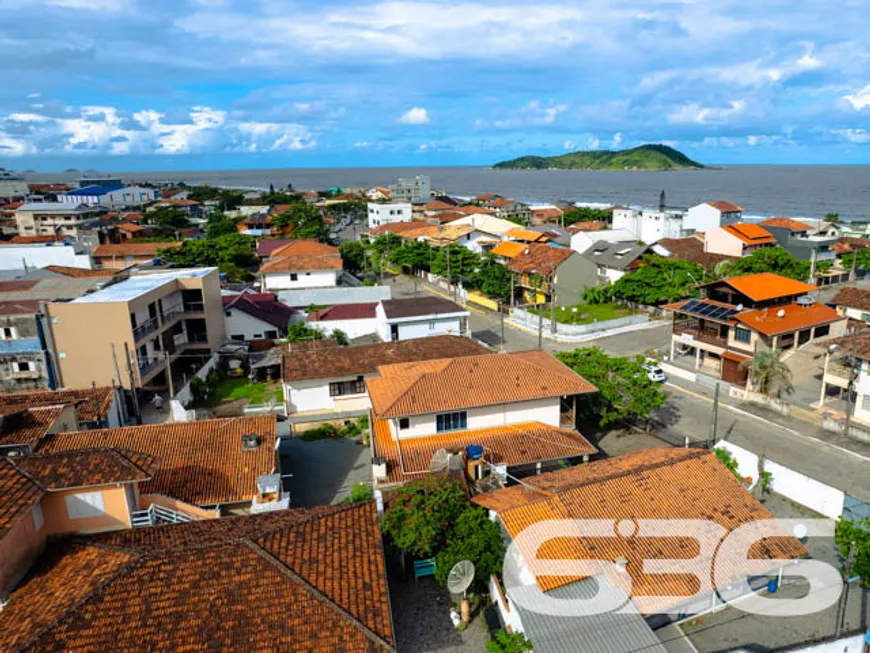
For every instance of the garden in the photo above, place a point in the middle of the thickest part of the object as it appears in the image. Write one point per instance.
(219, 389)
(587, 313)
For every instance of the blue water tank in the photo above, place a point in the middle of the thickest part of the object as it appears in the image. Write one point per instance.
(474, 451)
(223, 276)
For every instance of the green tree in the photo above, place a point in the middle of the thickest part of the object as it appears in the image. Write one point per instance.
(492, 279)
(413, 255)
(463, 262)
(166, 221)
(833, 218)
(505, 642)
(474, 537)
(354, 256)
(660, 280)
(300, 333)
(421, 515)
(858, 531)
(340, 337)
(305, 221)
(771, 259)
(597, 294)
(585, 214)
(219, 225)
(232, 253)
(361, 492)
(861, 257)
(625, 391)
(768, 373)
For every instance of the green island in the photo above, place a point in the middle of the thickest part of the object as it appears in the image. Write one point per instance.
(643, 157)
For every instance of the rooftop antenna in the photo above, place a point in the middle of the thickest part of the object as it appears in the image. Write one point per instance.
(458, 581)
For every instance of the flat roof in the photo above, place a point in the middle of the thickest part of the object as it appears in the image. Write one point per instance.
(57, 207)
(139, 285)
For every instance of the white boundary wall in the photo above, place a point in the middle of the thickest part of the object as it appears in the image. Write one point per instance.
(184, 396)
(793, 485)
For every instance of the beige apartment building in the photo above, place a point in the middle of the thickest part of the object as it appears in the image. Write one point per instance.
(54, 219)
(132, 333)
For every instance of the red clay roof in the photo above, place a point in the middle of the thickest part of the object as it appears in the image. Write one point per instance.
(691, 249)
(454, 383)
(527, 235)
(438, 205)
(305, 247)
(591, 225)
(786, 319)
(765, 285)
(396, 228)
(86, 468)
(508, 249)
(78, 273)
(263, 306)
(786, 223)
(514, 444)
(133, 249)
(27, 426)
(24, 240)
(726, 207)
(19, 307)
(302, 263)
(266, 247)
(364, 311)
(312, 580)
(750, 234)
(540, 258)
(18, 493)
(853, 297)
(664, 484)
(201, 462)
(91, 404)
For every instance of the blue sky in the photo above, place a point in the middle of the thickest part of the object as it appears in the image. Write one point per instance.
(181, 84)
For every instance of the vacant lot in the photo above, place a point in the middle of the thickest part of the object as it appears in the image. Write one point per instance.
(588, 313)
(242, 388)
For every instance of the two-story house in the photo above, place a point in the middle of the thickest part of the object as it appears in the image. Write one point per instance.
(381, 214)
(301, 264)
(504, 413)
(25, 361)
(55, 218)
(124, 255)
(739, 315)
(707, 215)
(542, 270)
(739, 239)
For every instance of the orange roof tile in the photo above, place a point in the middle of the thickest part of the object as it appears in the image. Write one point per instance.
(27, 426)
(130, 227)
(508, 249)
(312, 580)
(201, 462)
(540, 258)
(438, 205)
(301, 263)
(787, 223)
(726, 207)
(786, 319)
(669, 484)
(852, 297)
(749, 233)
(527, 235)
(27, 240)
(305, 247)
(18, 493)
(91, 404)
(513, 444)
(453, 383)
(86, 468)
(133, 249)
(765, 285)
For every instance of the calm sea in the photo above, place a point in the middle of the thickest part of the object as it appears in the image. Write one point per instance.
(795, 191)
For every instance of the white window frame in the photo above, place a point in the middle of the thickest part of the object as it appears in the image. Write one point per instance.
(13, 333)
(38, 519)
(85, 505)
(30, 366)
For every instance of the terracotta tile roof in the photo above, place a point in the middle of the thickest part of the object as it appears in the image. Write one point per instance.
(750, 234)
(419, 230)
(337, 362)
(446, 217)
(547, 214)
(132, 249)
(438, 205)
(91, 404)
(591, 225)
(131, 227)
(395, 228)
(857, 243)
(27, 426)
(471, 210)
(786, 223)
(672, 485)
(540, 258)
(263, 306)
(508, 249)
(454, 383)
(303, 262)
(527, 235)
(514, 444)
(726, 207)
(852, 297)
(171, 202)
(419, 307)
(86, 468)
(19, 307)
(18, 493)
(18, 285)
(312, 580)
(201, 462)
(364, 311)
(794, 318)
(305, 247)
(78, 273)
(691, 249)
(265, 248)
(765, 285)
(25, 240)
(447, 234)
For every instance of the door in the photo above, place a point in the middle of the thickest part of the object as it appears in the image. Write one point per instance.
(394, 332)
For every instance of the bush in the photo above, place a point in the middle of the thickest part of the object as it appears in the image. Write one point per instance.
(340, 337)
(505, 642)
(729, 461)
(199, 390)
(320, 433)
(422, 514)
(477, 538)
(361, 492)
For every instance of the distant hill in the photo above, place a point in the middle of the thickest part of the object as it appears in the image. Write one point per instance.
(644, 157)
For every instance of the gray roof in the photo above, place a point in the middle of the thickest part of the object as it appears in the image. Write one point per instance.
(617, 256)
(419, 306)
(621, 631)
(57, 207)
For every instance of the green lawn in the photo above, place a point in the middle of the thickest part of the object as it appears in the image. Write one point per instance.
(587, 313)
(258, 393)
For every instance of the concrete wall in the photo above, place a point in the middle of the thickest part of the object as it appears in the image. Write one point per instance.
(423, 328)
(702, 217)
(303, 396)
(313, 279)
(793, 485)
(146, 500)
(574, 275)
(720, 241)
(239, 323)
(21, 544)
(546, 411)
(510, 616)
(776, 405)
(530, 321)
(184, 396)
(116, 511)
(14, 257)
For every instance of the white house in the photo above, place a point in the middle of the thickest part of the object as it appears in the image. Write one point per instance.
(255, 316)
(301, 264)
(488, 232)
(355, 320)
(323, 379)
(108, 196)
(40, 255)
(648, 226)
(583, 240)
(420, 317)
(711, 214)
(380, 214)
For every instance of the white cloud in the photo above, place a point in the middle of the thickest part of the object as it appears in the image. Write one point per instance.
(360, 145)
(853, 135)
(809, 61)
(617, 141)
(423, 147)
(592, 143)
(569, 145)
(415, 116)
(859, 100)
(533, 114)
(33, 96)
(694, 113)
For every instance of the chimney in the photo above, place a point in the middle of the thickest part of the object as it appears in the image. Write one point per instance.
(379, 467)
(250, 441)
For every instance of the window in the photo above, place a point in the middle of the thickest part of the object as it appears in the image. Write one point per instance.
(228, 313)
(451, 421)
(432, 325)
(237, 337)
(743, 335)
(272, 334)
(865, 317)
(84, 505)
(307, 274)
(38, 520)
(294, 276)
(24, 366)
(341, 388)
(404, 423)
(258, 336)
(7, 333)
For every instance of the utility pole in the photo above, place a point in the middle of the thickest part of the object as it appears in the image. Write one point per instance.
(501, 317)
(852, 373)
(540, 328)
(132, 384)
(714, 423)
(171, 384)
(512, 290)
(812, 266)
(844, 595)
(449, 278)
(552, 288)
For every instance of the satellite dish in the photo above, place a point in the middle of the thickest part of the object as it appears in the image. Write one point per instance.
(739, 307)
(780, 313)
(800, 532)
(440, 461)
(460, 577)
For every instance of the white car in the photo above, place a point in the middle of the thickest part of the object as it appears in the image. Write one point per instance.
(655, 373)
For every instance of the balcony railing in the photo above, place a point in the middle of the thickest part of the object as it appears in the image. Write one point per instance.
(148, 366)
(197, 339)
(145, 328)
(194, 307)
(839, 370)
(701, 335)
(172, 314)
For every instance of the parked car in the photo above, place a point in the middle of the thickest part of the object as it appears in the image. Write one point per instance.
(655, 373)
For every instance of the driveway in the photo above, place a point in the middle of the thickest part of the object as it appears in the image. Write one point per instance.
(324, 471)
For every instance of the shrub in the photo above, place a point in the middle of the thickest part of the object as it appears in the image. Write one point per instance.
(729, 461)
(199, 390)
(340, 337)
(477, 538)
(320, 433)
(505, 642)
(360, 492)
(421, 515)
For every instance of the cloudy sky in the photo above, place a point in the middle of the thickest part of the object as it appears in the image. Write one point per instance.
(180, 84)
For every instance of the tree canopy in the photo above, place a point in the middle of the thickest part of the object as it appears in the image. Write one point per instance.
(477, 538)
(219, 225)
(166, 221)
(860, 256)
(768, 373)
(492, 279)
(771, 259)
(660, 280)
(354, 255)
(625, 390)
(586, 214)
(305, 221)
(231, 253)
(858, 532)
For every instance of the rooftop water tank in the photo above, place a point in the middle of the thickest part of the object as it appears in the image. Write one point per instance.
(474, 451)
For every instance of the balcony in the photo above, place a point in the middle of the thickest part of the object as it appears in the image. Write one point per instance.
(144, 329)
(701, 335)
(171, 314)
(22, 375)
(196, 339)
(147, 367)
(194, 307)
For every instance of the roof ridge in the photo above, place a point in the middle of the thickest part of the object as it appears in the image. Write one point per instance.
(316, 593)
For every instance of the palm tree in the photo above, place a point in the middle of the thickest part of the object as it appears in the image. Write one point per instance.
(768, 373)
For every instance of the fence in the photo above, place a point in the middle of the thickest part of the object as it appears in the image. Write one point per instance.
(777, 405)
(824, 499)
(529, 320)
(178, 404)
(679, 372)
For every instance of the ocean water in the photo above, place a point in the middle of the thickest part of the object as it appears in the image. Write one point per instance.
(794, 191)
